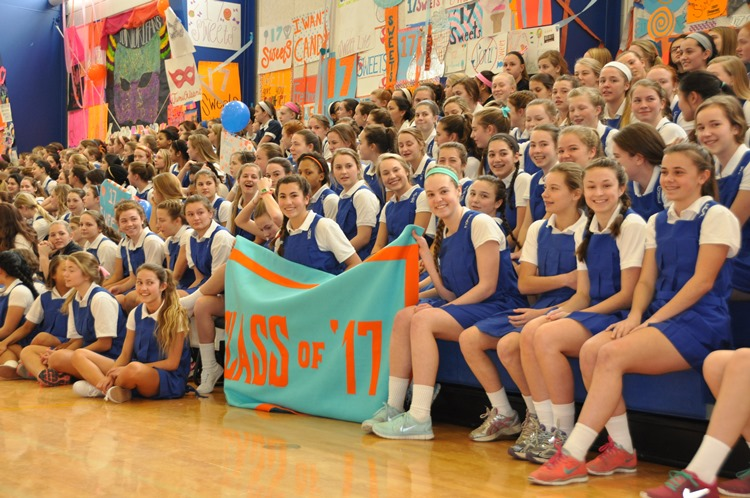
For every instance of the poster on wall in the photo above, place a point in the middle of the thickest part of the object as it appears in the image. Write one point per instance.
(275, 53)
(701, 10)
(182, 75)
(371, 70)
(340, 80)
(276, 87)
(529, 13)
(7, 129)
(179, 40)
(215, 24)
(531, 43)
(465, 23)
(486, 54)
(356, 21)
(224, 86)
(657, 19)
(310, 35)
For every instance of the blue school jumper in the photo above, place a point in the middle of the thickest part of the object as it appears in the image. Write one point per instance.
(188, 277)
(124, 257)
(45, 186)
(676, 112)
(510, 208)
(614, 122)
(431, 147)
(528, 164)
(84, 322)
(317, 206)
(555, 256)
(239, 232)
(649, 204)
(172, 383)
(347, 220)
(729, 187)
(94, 251)
(216, 205)
(465, 191)
(603, 263)
(4, 306)
(54, 322)
(303, 248)
(704, 327)
(137, 257)
(419, 179)
(608, 129)
(401, 213)
(536, 203)
(459, 272)
(143, 195)
(377, 189)
(200, 252)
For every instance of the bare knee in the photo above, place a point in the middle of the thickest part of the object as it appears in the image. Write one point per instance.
(469, 340)
(509, 348)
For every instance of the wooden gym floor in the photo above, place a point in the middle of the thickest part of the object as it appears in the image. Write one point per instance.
(55, 444)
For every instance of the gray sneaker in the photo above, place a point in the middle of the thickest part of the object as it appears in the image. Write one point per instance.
(547, 444)
(384, 414)
(496, 427)
(526, 440)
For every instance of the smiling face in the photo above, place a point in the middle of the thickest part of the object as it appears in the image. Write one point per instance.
(292, 202)
(442, 194)
(130, 223)
(571, 149)
(715, 132)
(451, 157)
(601, 190)
(73, 276)
(481, 198)
(543, 149)
(694, 57)
(394, 176)
(275, 172)
(248, 180)
(536, 115)
(613, 85)
(586, 76)
(409, 148)
(58, 236)
(681, 179)
(346, 170)
(647, 105)
(501, 158)
(74, 203)
(557, 196)
(502, 87)
(149, 289)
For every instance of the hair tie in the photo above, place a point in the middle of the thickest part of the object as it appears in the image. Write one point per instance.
(444, 171)
(506, 111)
(621, 67)
(332, 107)
(104, 272)
(293, 107)
(484, 80)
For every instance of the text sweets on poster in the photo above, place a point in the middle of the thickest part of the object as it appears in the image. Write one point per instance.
(277, 49)
(215, 24)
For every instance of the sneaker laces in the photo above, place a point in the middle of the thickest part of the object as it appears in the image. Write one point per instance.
(557, 456)
(487, 413)
(743, 474)
(677, 478)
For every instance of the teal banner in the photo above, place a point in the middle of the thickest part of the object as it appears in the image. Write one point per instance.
(302, 340)
(110, 194)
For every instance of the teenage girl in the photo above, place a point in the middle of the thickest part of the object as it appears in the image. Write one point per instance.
(649, 103)
(587, 71)
(453, 155)
(517, 102)
(199, 150)
(666, 77)
(302, 142)
(323, 200)
(207, 184)
(210, 243)
(401, 112)
(91, 195)
(15, 233)
(358, 206)
(95, 322)
(45, 325)
(614, 83)
(319, 124)
(731, 70)
(171, 222)
(585, 107)
(548, 269)
(485, 124)
(698, 49)
(563, 85)
(472, 275)
(270, 129)
(538, 112)
(34, 214)
(487, 195)
(236, 161)
(678, 316)
(457, 128)
(155, 357)
(100, 240)
(578, 144)
(640, 149)
(503, 84)
(553, 63)
(248, 176)
(341, 136)
(374, 141)
(610, 255)
(720, 126)
(407, 206)
(59, 242)
(139, 177)
(17, 280)
(502, 156)
(425, 119)
(412, 147)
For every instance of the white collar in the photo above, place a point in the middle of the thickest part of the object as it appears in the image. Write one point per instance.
(154, 315)
(305, 226)
(406, 195)
(690, 212)
(582, 220)
(594, 225)
(350, 192)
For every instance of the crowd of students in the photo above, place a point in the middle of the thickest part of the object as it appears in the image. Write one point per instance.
(599, 215)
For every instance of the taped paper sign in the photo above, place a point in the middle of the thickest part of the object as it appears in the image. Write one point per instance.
(408, 40)
(276, 87)
(229, 145)
(224, 84)
(310, 35)
(6, 113)
(182, 75)
(416, 11)
(391, 46)
(371, 70)
(486, 53)
(465, 23)
(215, 24)
(276, 53)
(97, 121)
(356, 21)
(179, 40)
(532, 13)
(531, 43)
(660, 18)
(455, 58)
(701, 10)
(340, 79)
(303, 89)
(110, 194)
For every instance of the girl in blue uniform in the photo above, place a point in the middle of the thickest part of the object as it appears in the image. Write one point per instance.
(610, 254)
(412, 147)
(171, 223)
(484, 125)
(407, 206)
(720, 126)
(454, 155)
(679, 313)
(207, 184)
(140, 176)
(358, 206)
(548, 270)
(16, 298)
(99, 239)
(210, 243)
(248, 176)
(375, 140)
(640, 149)
(155, 357)
(425, 120)
(487, 195)
(323, 200)
(585, 107)
(472, 275)
(538, 112)
(95, 321)
(578, 144)
(502, 156)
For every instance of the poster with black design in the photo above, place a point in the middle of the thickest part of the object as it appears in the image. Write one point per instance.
(6, 117)
(137, 86)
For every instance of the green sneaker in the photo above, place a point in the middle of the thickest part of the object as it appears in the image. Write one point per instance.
(384, 414)
(547, 444)
(404, 426)
(496, 426)
(529, 430)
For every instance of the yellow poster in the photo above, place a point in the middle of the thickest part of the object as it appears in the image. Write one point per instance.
(276, 87)
(223, 86)
(700, 10)
(97, 124)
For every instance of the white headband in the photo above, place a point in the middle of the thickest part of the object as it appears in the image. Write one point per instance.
(622, 67)
(265, 107)
(702, 39)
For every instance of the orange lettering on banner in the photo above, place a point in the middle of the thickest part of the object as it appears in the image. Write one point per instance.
(363, 329)
(391, 46)
(277, 324)
(258, 324)
(244, 360)
(230, 365)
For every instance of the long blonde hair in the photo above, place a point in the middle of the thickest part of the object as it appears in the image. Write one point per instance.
(25, 199)
(172, 319)
(89, 266)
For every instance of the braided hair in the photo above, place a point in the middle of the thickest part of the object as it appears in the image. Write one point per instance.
(15, 266)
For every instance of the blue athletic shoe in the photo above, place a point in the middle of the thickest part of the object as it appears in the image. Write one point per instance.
(384, 414)
(404, 426)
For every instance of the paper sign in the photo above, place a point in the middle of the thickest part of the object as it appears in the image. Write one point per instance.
(276, 87)
(215, 24)
(310, 35)
(465, 23)
(303, 90)
(175, 114)
(340, 79)
(531, 43)
(356, 21)
(78, 127)
(485, 54)
(6, 113)
(533, 13)
(110, 194)
(416, 11)
(391, 46)
(184, 83)
(97, 122)
(371, 70)
(224, 84)
(179, 41)
(455, 58)
(276, 50)
(229, 145)
(659, 18)
(408, 40)
(700, 10)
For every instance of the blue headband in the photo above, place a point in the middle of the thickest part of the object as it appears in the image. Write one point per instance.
(444, 171)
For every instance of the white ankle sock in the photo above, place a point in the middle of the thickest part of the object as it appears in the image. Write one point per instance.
(421, 402)
(208, 355)
(499, 400)
(579, 441)
(709, 459)
(188, 302)
(544, 412)
(564, 416)
(397, 392)
(617, 428)
(529, 404)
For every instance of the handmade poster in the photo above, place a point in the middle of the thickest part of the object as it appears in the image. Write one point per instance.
(218, 87)
(6, 114)
(215, 24)
(175, 114)
(499, 16)
(276, 86)
(76, 87)
(356, 21)
(701, 10)
(97, 122)
(408, 41)
(391, 46)
(659, 18)
(486, 53)
(329, 357)
(137, 90)
(340, 80)
(276, 50)
(179, 40)
(440, 32)
(78, 127)
(110, 194)
(530, 13)
(531, 43)
(455, 58)
(371, 70)
(465, 23)
(184, 83)
(310, 35)
(230, 144)
(7, 129)
(416, 11)
(303, 89)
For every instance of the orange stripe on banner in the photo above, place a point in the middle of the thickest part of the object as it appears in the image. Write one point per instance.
(393, 253)
(268, 407)
(273, 277)
(410, 254)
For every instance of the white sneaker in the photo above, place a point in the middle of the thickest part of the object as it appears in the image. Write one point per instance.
(117, 394)
(8, 370)
(209, 378)
(86, 390)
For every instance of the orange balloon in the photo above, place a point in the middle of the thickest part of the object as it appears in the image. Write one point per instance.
(97, 73)
(162, 6)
